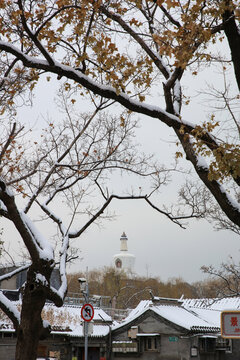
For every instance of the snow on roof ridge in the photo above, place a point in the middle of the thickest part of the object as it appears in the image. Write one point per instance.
(190, 313)
(213, 303)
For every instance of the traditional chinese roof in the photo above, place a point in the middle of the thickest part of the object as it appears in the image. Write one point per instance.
(67, 320)
(194, 315)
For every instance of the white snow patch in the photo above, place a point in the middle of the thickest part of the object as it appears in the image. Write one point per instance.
(10, 306)
(41, 279)
(233, 202)
(44, 248)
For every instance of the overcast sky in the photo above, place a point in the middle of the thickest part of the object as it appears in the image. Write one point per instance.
(161, 248)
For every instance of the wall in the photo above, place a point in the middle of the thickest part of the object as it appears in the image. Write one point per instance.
(7, 348)
(172, 344)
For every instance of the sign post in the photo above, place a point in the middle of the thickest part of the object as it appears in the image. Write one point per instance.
(230, 324)
(87, 313)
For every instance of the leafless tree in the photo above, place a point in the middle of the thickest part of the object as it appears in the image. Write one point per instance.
(227, 278)
(70, 163)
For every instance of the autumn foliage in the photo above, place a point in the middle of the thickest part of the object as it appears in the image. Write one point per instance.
(123, 51)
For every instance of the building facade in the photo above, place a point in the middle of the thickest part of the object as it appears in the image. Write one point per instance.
(170, 329)
(157, 329)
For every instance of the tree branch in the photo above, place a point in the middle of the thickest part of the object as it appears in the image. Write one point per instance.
(233, 35)
(34, 37)
(10, 310)
(229, 208)
(14, 272)
(17, 218)
(155, 58)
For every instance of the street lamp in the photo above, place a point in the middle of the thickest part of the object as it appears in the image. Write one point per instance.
(84, 290)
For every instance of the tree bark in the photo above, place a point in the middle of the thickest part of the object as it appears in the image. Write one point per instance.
(233, 36)
(31, 329)
(213, 186)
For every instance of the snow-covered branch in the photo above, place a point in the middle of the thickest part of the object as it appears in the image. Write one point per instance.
(10, 309)
(34, 243)
(107, 91)
(14, 272)
(227, 204)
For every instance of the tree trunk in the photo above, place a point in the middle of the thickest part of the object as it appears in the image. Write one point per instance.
(28, 336)
(31, 328)
(232, 32)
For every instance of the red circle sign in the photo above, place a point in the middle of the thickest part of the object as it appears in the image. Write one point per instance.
(87, 312)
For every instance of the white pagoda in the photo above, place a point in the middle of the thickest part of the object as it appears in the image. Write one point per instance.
(124, 260)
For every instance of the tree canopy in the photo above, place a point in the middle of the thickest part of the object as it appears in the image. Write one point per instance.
(126, 51)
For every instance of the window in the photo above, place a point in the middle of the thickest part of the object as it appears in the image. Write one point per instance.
(124, 346)
(224, 345)
(8, 334)
(118, 263)
(207, 344)
(150, 343)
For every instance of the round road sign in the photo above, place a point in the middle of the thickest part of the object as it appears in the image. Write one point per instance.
(87, 312)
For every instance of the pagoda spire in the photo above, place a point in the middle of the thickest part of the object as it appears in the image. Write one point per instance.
(123, 242)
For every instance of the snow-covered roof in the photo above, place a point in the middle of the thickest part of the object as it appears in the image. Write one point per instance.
(201, 315)
(190, 314)
(67, 320)
(231, 303)
(78, 331)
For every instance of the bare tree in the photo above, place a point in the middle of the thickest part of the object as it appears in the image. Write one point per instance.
(227, 278)
(71, 162)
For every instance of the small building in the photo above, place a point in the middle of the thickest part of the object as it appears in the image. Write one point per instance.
(172, 329)
(124, 260)
(157, 329)
(67, 336)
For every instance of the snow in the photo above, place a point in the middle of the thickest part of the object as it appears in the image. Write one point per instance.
(2, 206)
(67, 320)
(177, 97)
(121, 342)
(5, 188)
(231, 201)
(164, 64)
(105, 90)
(62, 266)
(41, 279)
(44, 248)
(187, 318)
(10, 305)
(49, 211)
(46, 324)
(214, 304)
(8, 191)
(147, 334)
(191, 314)
(16, 271)
(201, 162)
